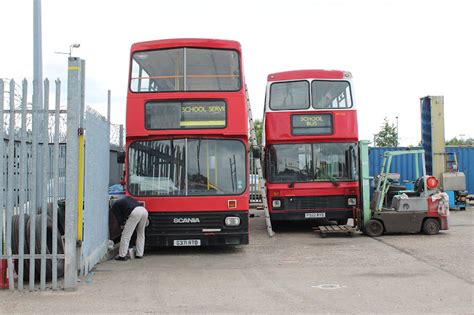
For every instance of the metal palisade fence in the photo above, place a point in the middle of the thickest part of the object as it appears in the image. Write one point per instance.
(96, 214)
(31, 148)
(54, 178)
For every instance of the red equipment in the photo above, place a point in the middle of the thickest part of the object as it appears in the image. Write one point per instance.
(3, 274)
(310, 134)
(187, 141)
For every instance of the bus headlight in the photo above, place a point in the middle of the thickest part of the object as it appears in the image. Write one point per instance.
(351, 201)
(276, 203)
(232, 221)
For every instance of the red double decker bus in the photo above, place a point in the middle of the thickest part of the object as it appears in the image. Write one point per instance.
(187, 141)
(310, 134)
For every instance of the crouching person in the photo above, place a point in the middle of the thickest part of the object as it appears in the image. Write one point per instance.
(132, 214)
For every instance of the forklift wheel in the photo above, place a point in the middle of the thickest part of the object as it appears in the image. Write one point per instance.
(431, 227)
(374, 228)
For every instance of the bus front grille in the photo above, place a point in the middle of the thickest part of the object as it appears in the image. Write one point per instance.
(314, 203)
(192, 222)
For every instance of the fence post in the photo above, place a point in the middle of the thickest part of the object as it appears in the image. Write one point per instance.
(56, 184)
(10, 186)
(74, 104)
(45, 179)
(23, 170)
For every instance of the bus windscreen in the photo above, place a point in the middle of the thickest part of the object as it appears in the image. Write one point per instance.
(312, 162)
(186, 167)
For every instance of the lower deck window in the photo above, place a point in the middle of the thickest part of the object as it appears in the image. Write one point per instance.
(186, 167)
(312, 162)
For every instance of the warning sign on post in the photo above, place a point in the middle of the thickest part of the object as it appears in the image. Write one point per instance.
(312, 124)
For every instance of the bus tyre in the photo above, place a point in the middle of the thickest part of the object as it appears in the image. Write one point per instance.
(374, 228)
(431, 226)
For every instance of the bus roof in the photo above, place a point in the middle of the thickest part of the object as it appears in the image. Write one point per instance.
(187, 42)
(308, 74)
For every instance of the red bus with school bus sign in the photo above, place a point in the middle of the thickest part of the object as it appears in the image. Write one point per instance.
(310, 138)
(187, 141)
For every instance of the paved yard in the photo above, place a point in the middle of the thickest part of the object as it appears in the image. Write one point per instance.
(294, 272)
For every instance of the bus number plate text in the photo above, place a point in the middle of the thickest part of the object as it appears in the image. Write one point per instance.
(314, 215)
(187, 243)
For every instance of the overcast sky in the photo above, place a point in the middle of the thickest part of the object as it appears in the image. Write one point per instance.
(397, 50)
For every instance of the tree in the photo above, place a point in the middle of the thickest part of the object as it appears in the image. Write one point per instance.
(258, 125)
(387, 136)
(456, 141)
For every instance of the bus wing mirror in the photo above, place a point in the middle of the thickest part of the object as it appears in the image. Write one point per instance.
(256, 153)
(120, 157)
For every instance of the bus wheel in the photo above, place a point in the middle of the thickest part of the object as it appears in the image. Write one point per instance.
(374, 228)
(431, 227)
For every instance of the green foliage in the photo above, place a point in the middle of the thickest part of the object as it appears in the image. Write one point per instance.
(456, 141)
(387, 136)
(258, 125)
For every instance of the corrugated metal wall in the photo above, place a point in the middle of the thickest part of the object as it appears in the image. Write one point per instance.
(405, 165)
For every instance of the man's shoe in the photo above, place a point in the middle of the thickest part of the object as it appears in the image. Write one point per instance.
(120, 258)
(138, 257)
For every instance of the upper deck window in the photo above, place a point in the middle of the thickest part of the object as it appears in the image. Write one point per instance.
(185, 69)
(289, 95)
(331, 94)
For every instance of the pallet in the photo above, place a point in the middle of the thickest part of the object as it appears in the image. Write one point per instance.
(335, 229)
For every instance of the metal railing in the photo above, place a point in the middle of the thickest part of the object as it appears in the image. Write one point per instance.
(30, 187)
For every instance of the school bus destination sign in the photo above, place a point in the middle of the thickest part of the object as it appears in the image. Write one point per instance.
(185, 115)
(311, 124)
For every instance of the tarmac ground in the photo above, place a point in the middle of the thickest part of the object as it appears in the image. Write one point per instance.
(296, 271)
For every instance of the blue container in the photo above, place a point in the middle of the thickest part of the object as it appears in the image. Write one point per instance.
(402, 164)
(405, 164)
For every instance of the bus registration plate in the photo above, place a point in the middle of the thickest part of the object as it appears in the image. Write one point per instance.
(187, 243)
(315, 215)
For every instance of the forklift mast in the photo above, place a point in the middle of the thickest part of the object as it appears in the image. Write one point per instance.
(382, 184)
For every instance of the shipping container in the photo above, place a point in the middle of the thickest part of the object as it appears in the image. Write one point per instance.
(405, 165)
